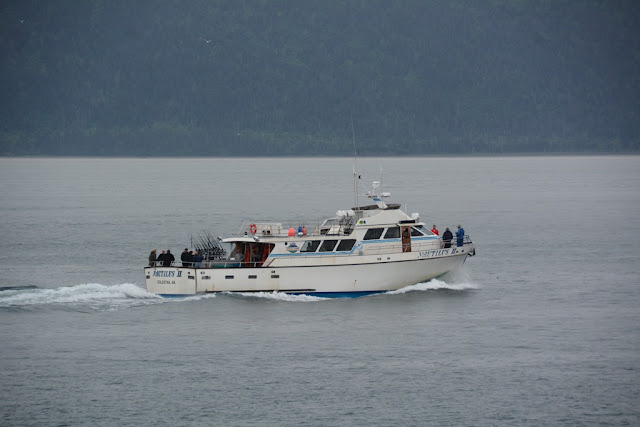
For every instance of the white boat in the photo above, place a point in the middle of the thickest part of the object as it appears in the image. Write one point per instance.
(360, 251)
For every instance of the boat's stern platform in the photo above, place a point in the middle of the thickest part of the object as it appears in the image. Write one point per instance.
(174, 281)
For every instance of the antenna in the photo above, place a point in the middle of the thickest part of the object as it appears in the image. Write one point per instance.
(355, 169)
(381, 176)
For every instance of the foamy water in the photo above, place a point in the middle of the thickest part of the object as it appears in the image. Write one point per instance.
(97, 296)
(435, 284)
(88, 295)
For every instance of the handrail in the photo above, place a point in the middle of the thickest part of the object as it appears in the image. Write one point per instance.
(389, 248)
(279, 228)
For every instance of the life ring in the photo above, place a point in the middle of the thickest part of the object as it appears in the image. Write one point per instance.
(253, 229)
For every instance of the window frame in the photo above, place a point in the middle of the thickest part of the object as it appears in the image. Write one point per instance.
(373, 230)
(324, 242)
(345, 241)
(311, 242)
(420, 231)
(386, 234)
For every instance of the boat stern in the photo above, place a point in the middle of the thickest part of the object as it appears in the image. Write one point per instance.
(170, 281)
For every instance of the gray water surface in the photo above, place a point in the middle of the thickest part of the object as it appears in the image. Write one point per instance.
(542, 327)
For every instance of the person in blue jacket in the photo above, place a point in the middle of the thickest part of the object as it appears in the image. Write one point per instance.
(460, 235)
(197, 259)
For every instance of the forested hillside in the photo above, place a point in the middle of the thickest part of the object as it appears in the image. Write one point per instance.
(289, 77)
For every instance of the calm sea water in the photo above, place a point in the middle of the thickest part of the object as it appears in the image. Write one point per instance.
(542, 327)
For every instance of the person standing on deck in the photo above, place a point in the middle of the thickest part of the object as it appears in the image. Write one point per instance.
(168, 259)
(152, 258)
(435, 231)
(446, 238)
(160, 259)
(197, 259)
(460, 235)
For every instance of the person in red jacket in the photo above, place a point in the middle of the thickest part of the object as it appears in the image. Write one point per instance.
(435, 231)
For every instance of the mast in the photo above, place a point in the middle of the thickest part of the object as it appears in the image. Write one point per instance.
(355, 169)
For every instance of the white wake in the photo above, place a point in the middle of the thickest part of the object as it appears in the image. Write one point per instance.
(435, 284)
(91, 295)
(279, 296)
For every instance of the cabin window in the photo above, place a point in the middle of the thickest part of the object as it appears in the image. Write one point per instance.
(392, 233)
(373, 233)
(310, 246)
(346, 245)
(328, 245)
(419, 230)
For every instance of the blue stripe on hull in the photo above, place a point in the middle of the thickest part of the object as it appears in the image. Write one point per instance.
(313, 294)
(176, 295)
(338, 294)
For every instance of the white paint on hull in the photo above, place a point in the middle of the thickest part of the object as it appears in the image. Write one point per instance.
(365, 277)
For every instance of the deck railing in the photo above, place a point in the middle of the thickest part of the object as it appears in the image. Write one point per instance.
(431, 244)
(379, 250)
(313, 228)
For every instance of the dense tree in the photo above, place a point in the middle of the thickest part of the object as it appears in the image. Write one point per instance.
(281, 77)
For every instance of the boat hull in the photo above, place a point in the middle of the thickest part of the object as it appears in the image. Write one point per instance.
(370, 275)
